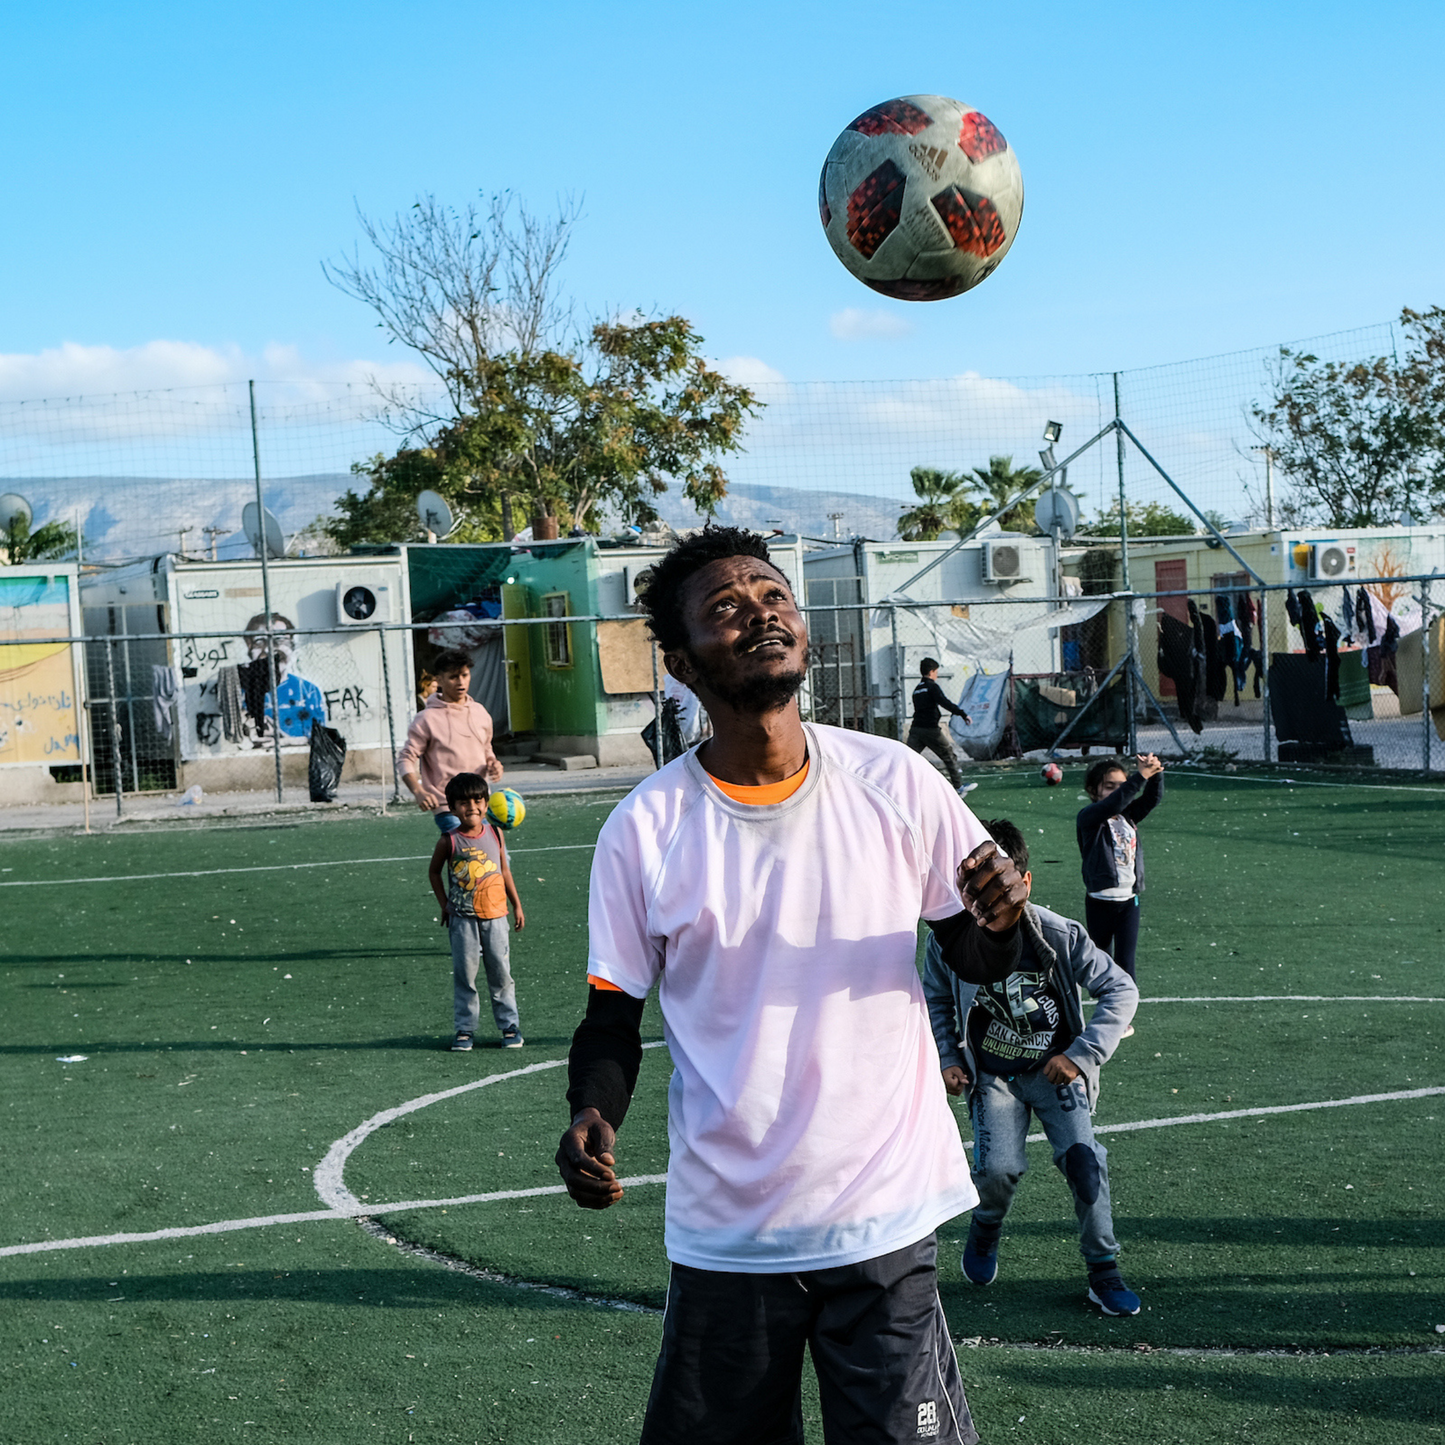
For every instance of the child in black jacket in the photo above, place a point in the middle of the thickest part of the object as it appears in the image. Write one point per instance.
(1109, 842)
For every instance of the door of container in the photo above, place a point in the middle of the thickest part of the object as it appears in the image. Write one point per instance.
(517, 644)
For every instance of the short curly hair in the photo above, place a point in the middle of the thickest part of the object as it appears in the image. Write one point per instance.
(1010, 839)
(661, 598)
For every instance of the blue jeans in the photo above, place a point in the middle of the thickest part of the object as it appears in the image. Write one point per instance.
(476, 941)
(1000, 1110)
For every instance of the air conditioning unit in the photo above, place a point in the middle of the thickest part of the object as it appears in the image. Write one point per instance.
(1331, 562)
(1006, 560)
(362, 604)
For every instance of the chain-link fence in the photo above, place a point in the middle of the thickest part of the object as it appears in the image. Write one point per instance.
(170, 470)
(1239, 672)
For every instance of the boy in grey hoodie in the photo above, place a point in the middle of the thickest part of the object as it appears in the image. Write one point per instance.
(1021, 1047)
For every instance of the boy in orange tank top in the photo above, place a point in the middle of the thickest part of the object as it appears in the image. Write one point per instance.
(474, 896)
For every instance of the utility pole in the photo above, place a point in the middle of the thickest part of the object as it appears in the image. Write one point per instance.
(1268, 485)
(836, 518)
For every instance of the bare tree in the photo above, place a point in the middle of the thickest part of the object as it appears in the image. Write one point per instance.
(460, 287)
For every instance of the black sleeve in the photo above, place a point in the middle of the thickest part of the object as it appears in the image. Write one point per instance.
(1097, 814)
(936, 692)
(606, 1054)
(1147, 801)
(975, 954)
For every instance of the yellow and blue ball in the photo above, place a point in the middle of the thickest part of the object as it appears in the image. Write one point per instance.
(505, 808)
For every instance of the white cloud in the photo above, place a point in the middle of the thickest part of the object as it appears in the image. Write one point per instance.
(73, 370)
(748, 370)
(852, 324)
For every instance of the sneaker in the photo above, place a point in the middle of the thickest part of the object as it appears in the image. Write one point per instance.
(462, 1044)
(512, 1039)
(1128, 1033)
(966, 788)
(1108, 1290)
(980, 1256)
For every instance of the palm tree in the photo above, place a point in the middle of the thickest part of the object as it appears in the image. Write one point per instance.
(938, 493)
(999, 481)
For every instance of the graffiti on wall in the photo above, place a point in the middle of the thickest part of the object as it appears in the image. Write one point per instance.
(37, 682)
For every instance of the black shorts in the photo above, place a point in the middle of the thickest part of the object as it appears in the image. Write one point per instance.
(730, 1371)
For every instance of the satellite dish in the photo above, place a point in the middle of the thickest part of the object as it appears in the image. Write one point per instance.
(253, 518)
(1059, 509)
(14, 508)
(435, 515)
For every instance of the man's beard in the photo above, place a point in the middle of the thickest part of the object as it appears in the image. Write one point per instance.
(753, 695)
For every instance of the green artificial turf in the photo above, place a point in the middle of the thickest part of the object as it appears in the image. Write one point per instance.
(215, 1083)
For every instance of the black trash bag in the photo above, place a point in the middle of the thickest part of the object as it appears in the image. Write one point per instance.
(672, 743)
(328, 754)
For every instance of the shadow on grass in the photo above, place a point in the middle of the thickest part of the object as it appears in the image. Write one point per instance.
(1262, 1232)
(401, 1287)
(440, 1043)
(1386, 1393)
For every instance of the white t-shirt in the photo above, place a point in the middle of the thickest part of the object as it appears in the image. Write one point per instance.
(1124, 840)
(807, 1120)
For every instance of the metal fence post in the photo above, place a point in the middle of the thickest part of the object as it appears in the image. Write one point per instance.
(390, 721)
(266, 594)
(657, 713)
(1425, 673)
(897, 674)
(114, 722)
(1264, 668)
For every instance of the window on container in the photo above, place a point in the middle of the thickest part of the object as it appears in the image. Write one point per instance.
(558, 635)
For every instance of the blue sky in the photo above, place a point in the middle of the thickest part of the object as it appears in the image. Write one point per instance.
(1198, 178)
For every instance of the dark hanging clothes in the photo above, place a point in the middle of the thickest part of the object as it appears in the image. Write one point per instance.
(1380, 659)
(1332, 659)
(1300, 710)
(1176, 661)
(1214, 673)
(1364, 615)
(1291, 607)
(1309, 625)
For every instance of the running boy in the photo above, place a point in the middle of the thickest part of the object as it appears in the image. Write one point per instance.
(1109, 842)
(1022, 1046)
(474, 903)
(926, 729)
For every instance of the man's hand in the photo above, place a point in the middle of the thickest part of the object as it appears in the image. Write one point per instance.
(426, 800)
(1060, 1069)
(1149, 764)
(955, 1080)
(992, 888)
(584, 1159)
(519, 919)
(968, 720)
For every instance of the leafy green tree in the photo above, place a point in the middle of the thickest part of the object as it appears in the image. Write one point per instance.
(1361, 443)
(47, 543)
(570, 434)
(1149, 519)
(938, 493)
(997, 483)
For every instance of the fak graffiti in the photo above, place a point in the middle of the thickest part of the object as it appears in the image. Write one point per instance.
(227, 699)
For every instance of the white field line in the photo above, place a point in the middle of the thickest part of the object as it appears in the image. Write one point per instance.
(1301, 998)
(261, 868)
(353, 1210)
(1310, 783)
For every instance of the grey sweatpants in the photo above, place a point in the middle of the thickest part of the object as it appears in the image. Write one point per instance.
(1000, 1109)
(941, 743)
(476, 941)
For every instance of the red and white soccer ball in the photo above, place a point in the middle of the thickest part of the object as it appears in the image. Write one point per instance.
(1052, 774)
(921, 197)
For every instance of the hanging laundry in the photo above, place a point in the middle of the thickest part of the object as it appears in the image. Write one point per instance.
(1309, 625)
(165, 690)
(1332, 658)
(1176, 661)
(1365, 615)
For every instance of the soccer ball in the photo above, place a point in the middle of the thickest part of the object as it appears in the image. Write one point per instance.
(1052, 774)
(506, 809)
(921, 197)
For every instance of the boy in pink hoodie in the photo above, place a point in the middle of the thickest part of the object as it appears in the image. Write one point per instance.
(452, 734)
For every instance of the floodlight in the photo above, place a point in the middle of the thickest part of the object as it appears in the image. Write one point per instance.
(1053, 431)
